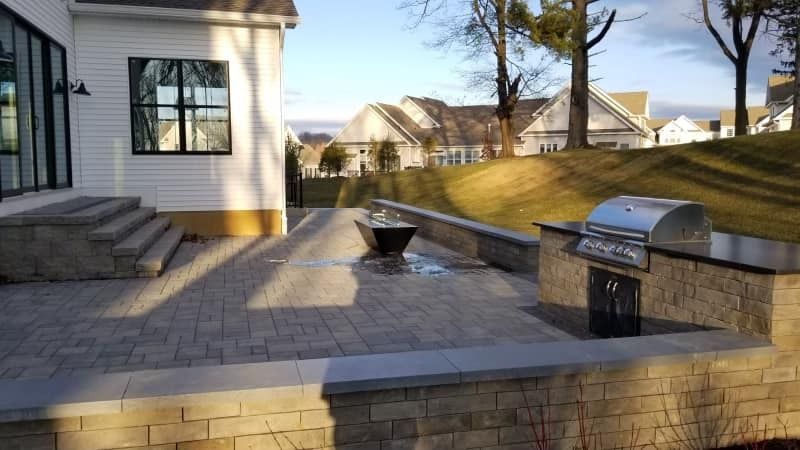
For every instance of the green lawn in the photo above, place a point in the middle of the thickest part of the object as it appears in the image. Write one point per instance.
(750, 185)
(321, 192)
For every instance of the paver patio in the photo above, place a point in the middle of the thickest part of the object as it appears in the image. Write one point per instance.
(241, 300)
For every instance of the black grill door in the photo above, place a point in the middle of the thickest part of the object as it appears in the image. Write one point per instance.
(613, 304)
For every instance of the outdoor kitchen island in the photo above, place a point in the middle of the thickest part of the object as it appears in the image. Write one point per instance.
(737, 282)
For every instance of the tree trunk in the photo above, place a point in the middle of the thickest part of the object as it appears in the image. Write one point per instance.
(507, 136)
(742, 117)
(578, 134)
(796, 109)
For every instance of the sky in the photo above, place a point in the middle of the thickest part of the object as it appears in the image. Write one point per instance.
(346, 53)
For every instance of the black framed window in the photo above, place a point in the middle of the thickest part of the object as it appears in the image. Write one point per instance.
(180, 106)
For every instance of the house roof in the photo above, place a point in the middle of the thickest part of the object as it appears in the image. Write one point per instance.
(635, 102)
(779, 88)
(266, 7)
(459, 125)
(705, 125)
(755, 114)
(708, 125)
(657, 124)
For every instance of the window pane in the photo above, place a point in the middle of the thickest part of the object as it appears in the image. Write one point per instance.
(205, 83)
(9, 141)
(154, 81)
(25, 107)
(39, 119)
(155, 129)
(207, 129)
(59, 118)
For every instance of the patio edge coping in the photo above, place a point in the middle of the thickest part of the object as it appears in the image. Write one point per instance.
(514, 237)
(60, 397)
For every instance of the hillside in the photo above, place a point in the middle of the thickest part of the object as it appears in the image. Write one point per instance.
(750, 185)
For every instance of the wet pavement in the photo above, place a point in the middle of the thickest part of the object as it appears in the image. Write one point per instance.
(317, 292)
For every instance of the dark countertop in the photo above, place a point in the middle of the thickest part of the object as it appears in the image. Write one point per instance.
(728, 250)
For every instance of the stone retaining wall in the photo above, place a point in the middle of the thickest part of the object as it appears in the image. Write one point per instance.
(662, 406)
(57, 252)
(497, 246)
(705, 389)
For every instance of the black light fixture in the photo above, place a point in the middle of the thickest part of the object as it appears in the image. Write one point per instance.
(79, 88)
(59, 88)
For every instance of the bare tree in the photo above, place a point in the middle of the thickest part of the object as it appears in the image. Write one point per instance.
(578, 134)
(736, 13)
(505, 29)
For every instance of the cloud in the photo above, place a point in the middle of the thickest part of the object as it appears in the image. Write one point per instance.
(673, 109)
(293, 96)
(670, 28)
(316, 125)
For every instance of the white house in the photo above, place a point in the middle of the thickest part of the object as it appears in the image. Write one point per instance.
(757, 117)
(683, 130)
(185, 111)
(780, 102)
(616, 120)
(460, 132)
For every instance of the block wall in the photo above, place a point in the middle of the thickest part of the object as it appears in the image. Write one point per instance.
(708, 404)
(485, 247)
(683, 291)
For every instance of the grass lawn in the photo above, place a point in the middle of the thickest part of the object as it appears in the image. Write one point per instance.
(750, 185)
(321, 192)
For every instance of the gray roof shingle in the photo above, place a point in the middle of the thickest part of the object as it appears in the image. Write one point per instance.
(267, 7)
(461, 125)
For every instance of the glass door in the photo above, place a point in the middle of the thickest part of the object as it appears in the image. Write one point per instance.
(24, 110)
(34, 121)
(10, 178)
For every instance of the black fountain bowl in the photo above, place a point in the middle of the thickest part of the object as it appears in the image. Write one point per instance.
(386, 239)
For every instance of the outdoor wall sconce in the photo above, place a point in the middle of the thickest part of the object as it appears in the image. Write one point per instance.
(77, 88)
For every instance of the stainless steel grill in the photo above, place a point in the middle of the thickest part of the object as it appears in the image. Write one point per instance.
(618, 229)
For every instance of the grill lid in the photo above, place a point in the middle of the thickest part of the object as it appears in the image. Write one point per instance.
(650, 220)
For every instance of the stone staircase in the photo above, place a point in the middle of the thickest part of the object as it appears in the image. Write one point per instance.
(86, 238)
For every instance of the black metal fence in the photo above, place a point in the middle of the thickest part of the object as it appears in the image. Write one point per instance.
(294, 190)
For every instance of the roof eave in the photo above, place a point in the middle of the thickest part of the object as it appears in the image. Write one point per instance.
(191, 15)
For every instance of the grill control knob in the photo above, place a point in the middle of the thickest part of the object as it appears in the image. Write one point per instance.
(630, 253)
(613, 250)
(600, 247)
(588, 244)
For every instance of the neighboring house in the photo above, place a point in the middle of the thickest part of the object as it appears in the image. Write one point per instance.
(757, 117)
(186, 107)
(683, 130)
(460, 132)
(616, 120)
(779, 93)
(291, 135)
(310, 157)
(780, 100)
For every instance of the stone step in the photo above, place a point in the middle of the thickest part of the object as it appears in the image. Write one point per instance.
(155, 261)
(122, 226)
(98, 210)
(141, 239)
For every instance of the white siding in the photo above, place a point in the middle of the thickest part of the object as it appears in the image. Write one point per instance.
(366, 125)
(632, 140)
(53, 19)
(557, 118)
(249, 179)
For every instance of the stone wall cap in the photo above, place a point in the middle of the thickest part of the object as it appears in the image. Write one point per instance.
(24, 400)
(514, 237)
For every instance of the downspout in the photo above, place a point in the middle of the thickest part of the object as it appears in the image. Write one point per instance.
(282, 138)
